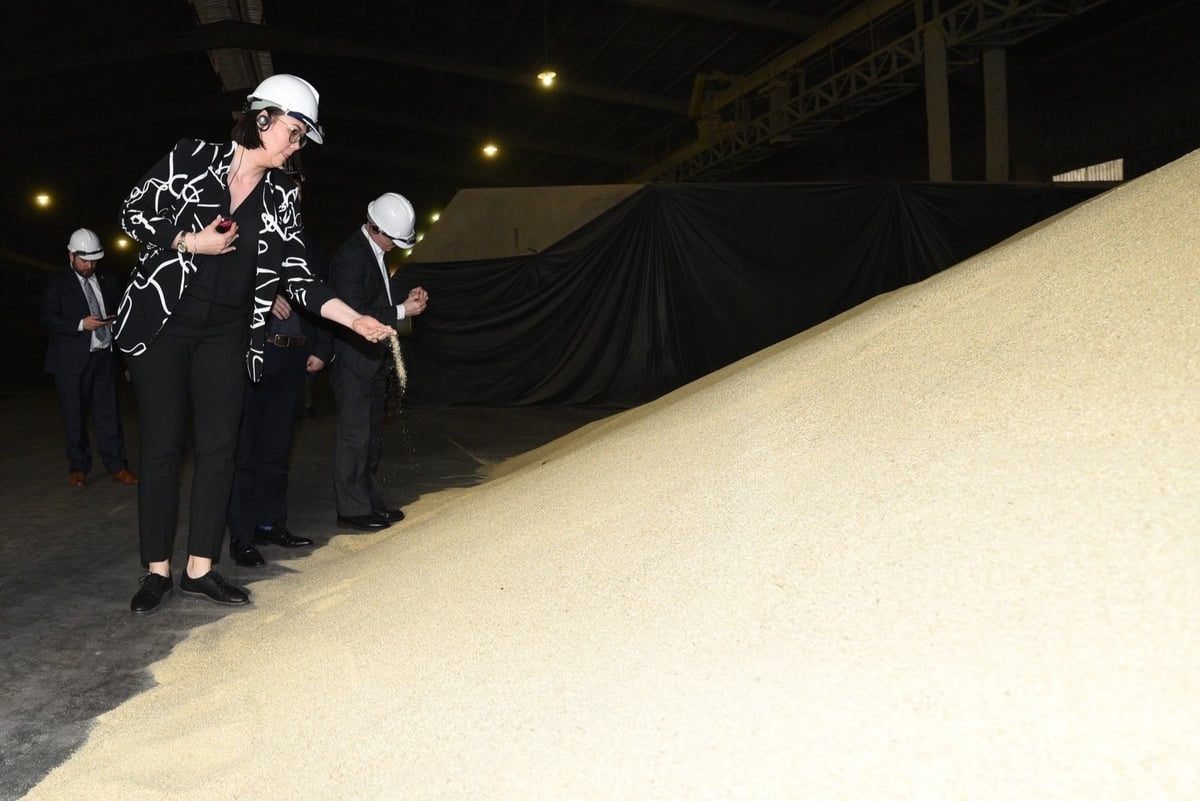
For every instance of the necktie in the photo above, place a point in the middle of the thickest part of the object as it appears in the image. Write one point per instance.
(102, 332)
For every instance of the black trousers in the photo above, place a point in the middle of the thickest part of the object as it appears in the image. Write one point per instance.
(206, 370)
(269, 413)
(95, 390)
(359, 443)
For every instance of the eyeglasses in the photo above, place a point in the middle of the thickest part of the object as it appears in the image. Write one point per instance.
(296, 134)
(403, 242)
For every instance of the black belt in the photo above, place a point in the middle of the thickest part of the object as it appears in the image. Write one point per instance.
(284, 341)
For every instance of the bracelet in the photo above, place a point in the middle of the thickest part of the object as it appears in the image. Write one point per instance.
(192, 245)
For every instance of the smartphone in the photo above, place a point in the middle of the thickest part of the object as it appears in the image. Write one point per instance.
(225, 224)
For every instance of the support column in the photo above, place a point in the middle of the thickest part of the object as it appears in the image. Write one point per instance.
(937, 104)
(995, 114)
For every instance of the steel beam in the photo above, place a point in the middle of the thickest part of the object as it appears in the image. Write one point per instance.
(737, 132)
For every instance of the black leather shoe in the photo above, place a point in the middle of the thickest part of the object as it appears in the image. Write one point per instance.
(245, 554)
(389, 515)
(150, 595)
(279, 535)
(213, 587)
(363, 522)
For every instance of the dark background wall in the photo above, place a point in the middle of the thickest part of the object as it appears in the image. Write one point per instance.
(1122, 81)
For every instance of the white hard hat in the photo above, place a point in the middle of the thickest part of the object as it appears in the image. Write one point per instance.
(86, 245)
(393, 215)
(296, 97)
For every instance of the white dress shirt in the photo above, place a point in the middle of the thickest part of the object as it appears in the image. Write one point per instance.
(387, 278)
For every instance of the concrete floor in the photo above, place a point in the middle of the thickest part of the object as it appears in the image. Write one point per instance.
(70, 649)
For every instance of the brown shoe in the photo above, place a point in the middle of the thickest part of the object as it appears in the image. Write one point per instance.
(124, 477)
(77, 478)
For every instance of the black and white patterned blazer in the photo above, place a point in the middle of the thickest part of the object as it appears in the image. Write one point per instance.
(183, 192)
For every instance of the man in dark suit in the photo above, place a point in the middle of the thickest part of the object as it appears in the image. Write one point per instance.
(296, 346)
(78, 307)
(358, 274)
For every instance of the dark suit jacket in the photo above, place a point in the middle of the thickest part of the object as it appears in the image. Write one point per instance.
(63, 306)
(355, 277)
(317, 330)
(319, 333)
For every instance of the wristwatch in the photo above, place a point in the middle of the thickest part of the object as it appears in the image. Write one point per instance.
(181, 245)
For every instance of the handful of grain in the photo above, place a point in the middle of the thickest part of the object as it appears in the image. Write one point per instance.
(401, 375)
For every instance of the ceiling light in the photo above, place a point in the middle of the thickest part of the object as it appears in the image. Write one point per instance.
(547, 75)
(490, 150)
(42, 199)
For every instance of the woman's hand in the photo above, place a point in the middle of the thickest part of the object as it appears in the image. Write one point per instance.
(371, 329)
(210, 241)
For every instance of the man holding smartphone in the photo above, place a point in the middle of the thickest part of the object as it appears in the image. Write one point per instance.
(79, 306)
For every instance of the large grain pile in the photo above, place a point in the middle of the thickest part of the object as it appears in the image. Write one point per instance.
(944, 546)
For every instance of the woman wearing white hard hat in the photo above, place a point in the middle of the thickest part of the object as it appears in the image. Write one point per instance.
(219, 229)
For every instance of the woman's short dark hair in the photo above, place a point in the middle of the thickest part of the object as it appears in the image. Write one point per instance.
(245, 130)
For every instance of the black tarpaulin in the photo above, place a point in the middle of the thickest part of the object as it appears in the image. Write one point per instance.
(678, 280)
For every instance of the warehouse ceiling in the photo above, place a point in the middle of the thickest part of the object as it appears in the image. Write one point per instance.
(411, 91)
